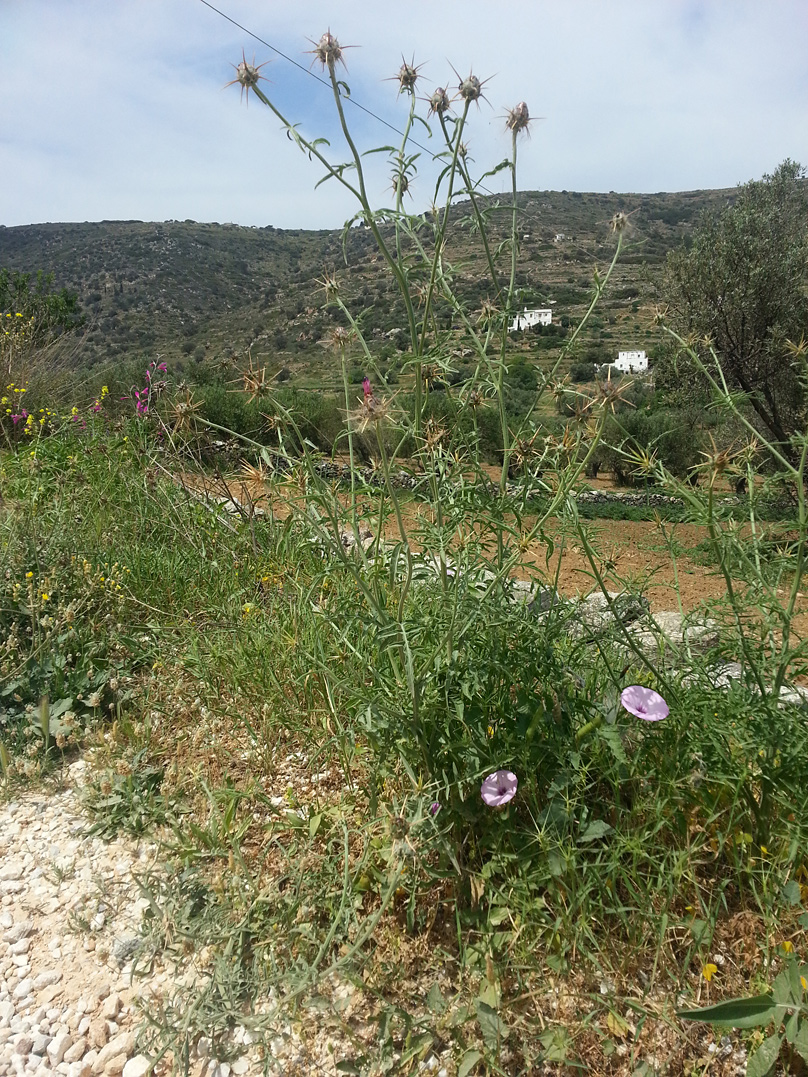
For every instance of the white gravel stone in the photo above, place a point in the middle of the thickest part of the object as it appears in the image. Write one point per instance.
(58, 1047)
(136, 1067)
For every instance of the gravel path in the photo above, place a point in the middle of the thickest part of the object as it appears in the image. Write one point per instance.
(69, 916)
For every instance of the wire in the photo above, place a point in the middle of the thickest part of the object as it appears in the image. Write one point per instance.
(308, 71)
(525, 214)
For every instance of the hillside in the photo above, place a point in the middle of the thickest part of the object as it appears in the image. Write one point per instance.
(195, 292)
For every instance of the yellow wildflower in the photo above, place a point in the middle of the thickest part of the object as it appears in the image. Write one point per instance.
(709, 970)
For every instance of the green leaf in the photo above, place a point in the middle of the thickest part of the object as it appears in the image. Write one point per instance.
(491, 1025)
(803, 921)
(435, 1000)
(791, 893)
(763, 1060)
(347, 1067)
(468, 1062)
(699, 929)
(737, 1013)
(598, 828)
(792, 1026)
(801, 1041)
(555, 1044)
(314, 824)
(782, 992)
(611, 736)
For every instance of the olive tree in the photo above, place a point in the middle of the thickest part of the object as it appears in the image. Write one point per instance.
(740, 287)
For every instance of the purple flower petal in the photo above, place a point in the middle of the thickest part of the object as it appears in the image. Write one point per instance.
(434, 808)
(644, 703)
(498, 788)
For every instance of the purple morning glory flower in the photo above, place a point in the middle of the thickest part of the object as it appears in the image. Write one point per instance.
(498, 788)
(644, 703)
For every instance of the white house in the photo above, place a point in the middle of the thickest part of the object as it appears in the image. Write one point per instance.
(528, 319)
(631, 362)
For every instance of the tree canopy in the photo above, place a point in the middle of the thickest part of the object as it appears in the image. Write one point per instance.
(54, 312)
(741, 286)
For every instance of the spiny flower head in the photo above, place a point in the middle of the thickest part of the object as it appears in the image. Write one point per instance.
(439, 102)
(470, 88)
(517, 118)
(401, 182)
(247, 75)
(407, 76)
(328, 51)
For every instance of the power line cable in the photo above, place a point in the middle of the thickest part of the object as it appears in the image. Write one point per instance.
(312, 74)
(526, 214)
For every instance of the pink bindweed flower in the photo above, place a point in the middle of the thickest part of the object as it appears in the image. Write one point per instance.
(644, 703)
(498, 788)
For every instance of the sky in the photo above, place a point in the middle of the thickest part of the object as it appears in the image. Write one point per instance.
(117, 109)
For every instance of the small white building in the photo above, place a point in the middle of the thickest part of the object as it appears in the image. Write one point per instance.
(529, 319)
(631, 362)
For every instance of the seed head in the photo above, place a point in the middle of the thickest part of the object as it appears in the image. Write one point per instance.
(328, 51)
(247, 75)
(407, 76)
(470, 88)
(439, 102)
(517, 118)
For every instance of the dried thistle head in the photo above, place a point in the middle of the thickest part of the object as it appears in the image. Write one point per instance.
(518, 118)
(439, 102)
(254, 380)
(183, 411)
(429, 374)
(407, 76)
(489, 312)
(434, 434)
(470, 88)
(339, 337)
(420, 291)
(247, 75)
(610, 393)
(272, 422)
(717, 461)
(523, 449)
(621, 221)
(559, 387)
(475, 400)
(256, 473)
(328, 51)
(371, 410)
(661, 313)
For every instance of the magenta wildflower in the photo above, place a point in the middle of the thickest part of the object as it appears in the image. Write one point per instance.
(498, 788)
(644, 703)
(434, 807)
(366, 389)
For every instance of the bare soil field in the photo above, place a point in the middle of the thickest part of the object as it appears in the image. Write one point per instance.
(630, 554)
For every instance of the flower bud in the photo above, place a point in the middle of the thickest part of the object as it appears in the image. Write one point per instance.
(518, 118)
(328, 51)
(439, 101)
